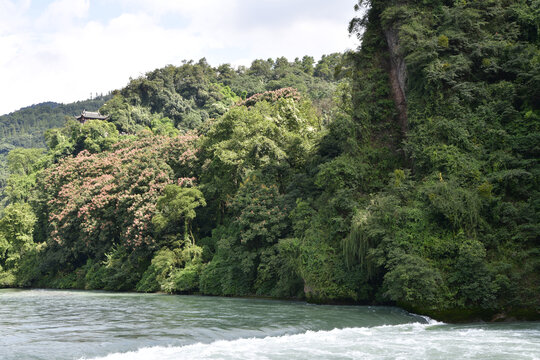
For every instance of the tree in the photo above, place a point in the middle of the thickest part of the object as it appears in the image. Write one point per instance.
(176, 205)
(23, 165)
(16, 229)
(97, 200)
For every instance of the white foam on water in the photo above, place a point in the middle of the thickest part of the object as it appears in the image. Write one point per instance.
(429, 320)
(407, 341)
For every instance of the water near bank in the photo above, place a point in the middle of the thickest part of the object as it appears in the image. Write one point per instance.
(45, 324)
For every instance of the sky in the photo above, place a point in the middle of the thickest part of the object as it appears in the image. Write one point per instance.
(69, 50)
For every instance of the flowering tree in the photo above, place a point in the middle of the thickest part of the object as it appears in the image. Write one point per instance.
(97, 200)
(272, 96)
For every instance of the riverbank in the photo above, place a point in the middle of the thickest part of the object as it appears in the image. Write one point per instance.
(457, 316)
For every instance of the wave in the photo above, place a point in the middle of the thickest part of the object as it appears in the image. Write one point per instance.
(405, 341)
(429, 320)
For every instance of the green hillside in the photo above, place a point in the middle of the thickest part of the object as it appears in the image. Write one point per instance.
(404, 173)
(453, 88)
(25, 127)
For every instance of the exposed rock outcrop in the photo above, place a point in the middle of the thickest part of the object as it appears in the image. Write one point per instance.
(398, 77)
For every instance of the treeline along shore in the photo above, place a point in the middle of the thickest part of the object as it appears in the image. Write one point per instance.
(404, 172)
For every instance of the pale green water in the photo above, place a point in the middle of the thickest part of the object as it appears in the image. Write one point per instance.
(45, 324)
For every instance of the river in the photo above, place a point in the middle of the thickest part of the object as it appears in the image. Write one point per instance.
(56, 324)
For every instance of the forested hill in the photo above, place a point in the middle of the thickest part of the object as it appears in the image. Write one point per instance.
(190, 94)
(404, 173)
(187, 95)
(25, 127)
(187, 91)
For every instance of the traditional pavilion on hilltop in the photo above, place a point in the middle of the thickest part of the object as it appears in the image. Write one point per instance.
(89, 115)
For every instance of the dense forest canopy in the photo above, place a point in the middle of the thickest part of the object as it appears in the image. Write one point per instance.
(457, 225)
(405, 173)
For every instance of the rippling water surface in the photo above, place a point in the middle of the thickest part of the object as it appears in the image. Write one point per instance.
(46, 324)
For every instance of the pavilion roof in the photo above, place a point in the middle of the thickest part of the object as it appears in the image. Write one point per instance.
(92, 115)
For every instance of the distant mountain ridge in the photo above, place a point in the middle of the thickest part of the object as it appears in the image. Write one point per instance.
(52, 105)
(25, 127)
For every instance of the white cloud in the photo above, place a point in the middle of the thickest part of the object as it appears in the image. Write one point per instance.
(62, 55)
(68, 66)
(11, 15)
(194, 9)
(303, 37)
(61, 14)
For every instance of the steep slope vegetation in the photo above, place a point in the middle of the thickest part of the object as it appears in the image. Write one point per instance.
(456, 229)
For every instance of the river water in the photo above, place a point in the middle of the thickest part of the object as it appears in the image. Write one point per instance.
(48, 324)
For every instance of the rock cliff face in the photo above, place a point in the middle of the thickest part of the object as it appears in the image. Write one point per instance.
(398, 77)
